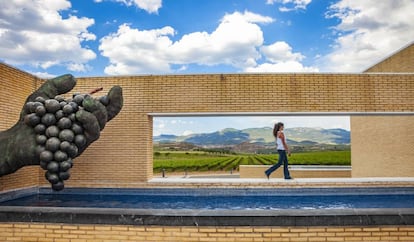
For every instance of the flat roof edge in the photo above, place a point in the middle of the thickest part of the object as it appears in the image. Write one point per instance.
(204, 114)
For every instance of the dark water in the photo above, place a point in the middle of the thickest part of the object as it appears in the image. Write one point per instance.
(216, 202)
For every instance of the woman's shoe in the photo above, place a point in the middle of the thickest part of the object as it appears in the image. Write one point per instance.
(289, 178)
(267, 175)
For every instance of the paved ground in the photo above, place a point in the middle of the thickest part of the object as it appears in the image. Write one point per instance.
(228, 181)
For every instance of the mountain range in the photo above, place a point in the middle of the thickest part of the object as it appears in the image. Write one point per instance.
(260, 136)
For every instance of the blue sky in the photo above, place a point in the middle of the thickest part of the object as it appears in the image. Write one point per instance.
(190, 125)
(132, 37)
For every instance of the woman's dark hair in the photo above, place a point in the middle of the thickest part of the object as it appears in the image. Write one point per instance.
(276, 128)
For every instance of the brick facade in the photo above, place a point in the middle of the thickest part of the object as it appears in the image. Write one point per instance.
(401, 61)
(144, 95)
(15, 85)
(83, 233)
(122, 157)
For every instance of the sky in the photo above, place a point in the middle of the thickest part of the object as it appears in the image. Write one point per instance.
(191, 125)
(133, 37)
(49, 38)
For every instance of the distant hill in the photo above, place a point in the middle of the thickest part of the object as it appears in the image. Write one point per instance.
(261, 136)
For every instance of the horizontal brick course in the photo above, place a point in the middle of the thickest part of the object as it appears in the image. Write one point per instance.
(50, 232)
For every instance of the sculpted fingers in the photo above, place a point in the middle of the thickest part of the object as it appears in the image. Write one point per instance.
(96, 108)
(55, 86)
(90, 125)
(115, 102)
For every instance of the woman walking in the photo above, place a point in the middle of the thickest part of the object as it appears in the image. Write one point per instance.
(282, 149)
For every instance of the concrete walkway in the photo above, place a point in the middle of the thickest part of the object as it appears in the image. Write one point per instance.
(176, 181)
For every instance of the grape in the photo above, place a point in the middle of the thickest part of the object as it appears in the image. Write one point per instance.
(75, 106)
(52, 105)
(64, 175)
(80, 140)
(65, 146)
(41, 139)
(53, 167)
(40, 128)
(60, 156)
(64, 123)
(62, 104)
(28, 107)
(43, 164)
(46, 156)
(32, 119)
(52, 177)
(65, 165)
(70, 161)
(48, 119)
(78, 99)
(72, 117)
(59, 114)
(52, 144)
(67, 109)
(58, 186)
(40, 100)
(72, 151)
(40, 110)
(77, 129)
(59, 98)
(52, 131)
(66, 135)
(59, 135)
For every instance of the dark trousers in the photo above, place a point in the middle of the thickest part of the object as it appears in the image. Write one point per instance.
(282, 160)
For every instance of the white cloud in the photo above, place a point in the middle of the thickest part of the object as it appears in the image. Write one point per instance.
(151, 6)
(290, 5)
(285, 66)
(280, 51)
(187, 132)
(280, 58)
(44, 75)
(135, 51)
(370, 30)
(234, 42)
(34, 32)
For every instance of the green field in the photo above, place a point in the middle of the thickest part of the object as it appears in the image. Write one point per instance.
(175, 161)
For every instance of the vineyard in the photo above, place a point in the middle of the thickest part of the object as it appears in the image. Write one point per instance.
(203, 161)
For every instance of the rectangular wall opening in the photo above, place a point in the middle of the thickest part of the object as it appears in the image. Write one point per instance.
(219, 145)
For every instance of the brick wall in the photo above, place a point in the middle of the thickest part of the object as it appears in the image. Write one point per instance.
(15, 86)
(122, 157)
(83, 233)
(402, 61)
(381, 146)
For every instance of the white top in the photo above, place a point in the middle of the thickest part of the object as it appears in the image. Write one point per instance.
(279, 143)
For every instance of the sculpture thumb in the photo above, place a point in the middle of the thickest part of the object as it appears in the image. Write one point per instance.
(115, 102)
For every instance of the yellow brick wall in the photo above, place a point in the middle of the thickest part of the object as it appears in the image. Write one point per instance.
(122, 157)
(402, 61)
(382, 146)
(83, 233)
(15, 86)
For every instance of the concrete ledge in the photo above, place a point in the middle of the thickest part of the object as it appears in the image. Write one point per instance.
(257, 171)
(164, 217)
(181, 182)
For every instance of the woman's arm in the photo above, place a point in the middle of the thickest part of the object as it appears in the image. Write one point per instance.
(282, 137)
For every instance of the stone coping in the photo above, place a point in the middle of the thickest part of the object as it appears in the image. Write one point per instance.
(217, 181)
(317, 217)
